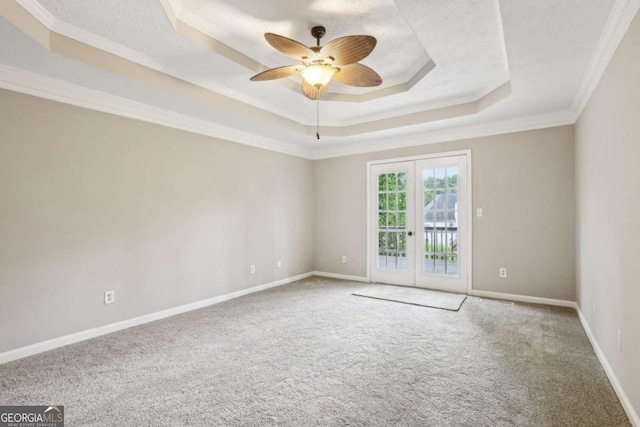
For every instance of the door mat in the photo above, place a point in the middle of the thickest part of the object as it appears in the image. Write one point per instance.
(414, 296)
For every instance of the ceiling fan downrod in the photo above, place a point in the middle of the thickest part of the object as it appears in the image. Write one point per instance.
(318, 119)
(318, 32)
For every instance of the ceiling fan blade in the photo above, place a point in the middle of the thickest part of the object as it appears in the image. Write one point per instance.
(277, 73)
(290, 47)
(348, 50)
(357, 75)
(313, 92)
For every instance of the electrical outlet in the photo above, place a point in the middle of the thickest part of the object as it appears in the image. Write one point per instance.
(109, 297)
(479, 212)
(253, 269)
(344, 259)
(503, 272)
(279, 264)
(619, 340)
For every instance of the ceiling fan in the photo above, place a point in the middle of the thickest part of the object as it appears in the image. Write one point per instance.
(337, 61)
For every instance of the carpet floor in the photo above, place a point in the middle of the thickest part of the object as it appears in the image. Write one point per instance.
(311, 354)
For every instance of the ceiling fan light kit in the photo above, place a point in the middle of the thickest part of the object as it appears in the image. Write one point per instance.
(318, 75)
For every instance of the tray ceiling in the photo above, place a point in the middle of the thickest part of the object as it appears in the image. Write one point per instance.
(445, 64)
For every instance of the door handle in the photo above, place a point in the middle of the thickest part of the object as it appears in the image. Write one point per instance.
(410, 233)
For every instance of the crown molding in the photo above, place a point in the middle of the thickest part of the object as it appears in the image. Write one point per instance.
(75, 47)
(45, 87)
(63, 39)
(39, 12)
(561, 118)
(622, 14)
(420, 117)
(14, 79)
(481, 99)
(56, 90)
(56, 26)
(137, 57)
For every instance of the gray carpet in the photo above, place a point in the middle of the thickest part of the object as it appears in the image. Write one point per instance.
(415, 296)
(310, 354)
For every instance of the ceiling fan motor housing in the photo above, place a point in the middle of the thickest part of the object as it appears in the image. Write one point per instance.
(318, 32)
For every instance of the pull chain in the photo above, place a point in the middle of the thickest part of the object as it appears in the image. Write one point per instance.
(318, 119)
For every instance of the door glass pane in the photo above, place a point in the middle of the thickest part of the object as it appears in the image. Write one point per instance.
(440, 220)
(402, 220)
(392, 219)
(382, 182)
(429, 244)
(402, 202)
(382, 219)
(440, 175)
(402, 182)
(452, 177)
(393, 201)
(382, 202)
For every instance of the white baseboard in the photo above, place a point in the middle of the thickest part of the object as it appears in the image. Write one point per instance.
(30, 350)
(340, 276)
(624, 400)
(523, 298)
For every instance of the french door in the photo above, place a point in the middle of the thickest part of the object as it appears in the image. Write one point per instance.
(418, 223)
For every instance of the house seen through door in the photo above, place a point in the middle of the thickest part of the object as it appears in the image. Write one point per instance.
(419, 217)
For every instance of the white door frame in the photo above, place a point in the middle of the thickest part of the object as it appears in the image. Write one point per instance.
(469, 254)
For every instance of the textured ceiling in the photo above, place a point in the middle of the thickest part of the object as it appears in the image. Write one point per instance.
(241, 24)
(529, 58)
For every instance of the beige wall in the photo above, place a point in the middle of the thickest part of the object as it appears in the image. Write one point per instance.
(523, 181)
(93, 202)
(608, 203)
